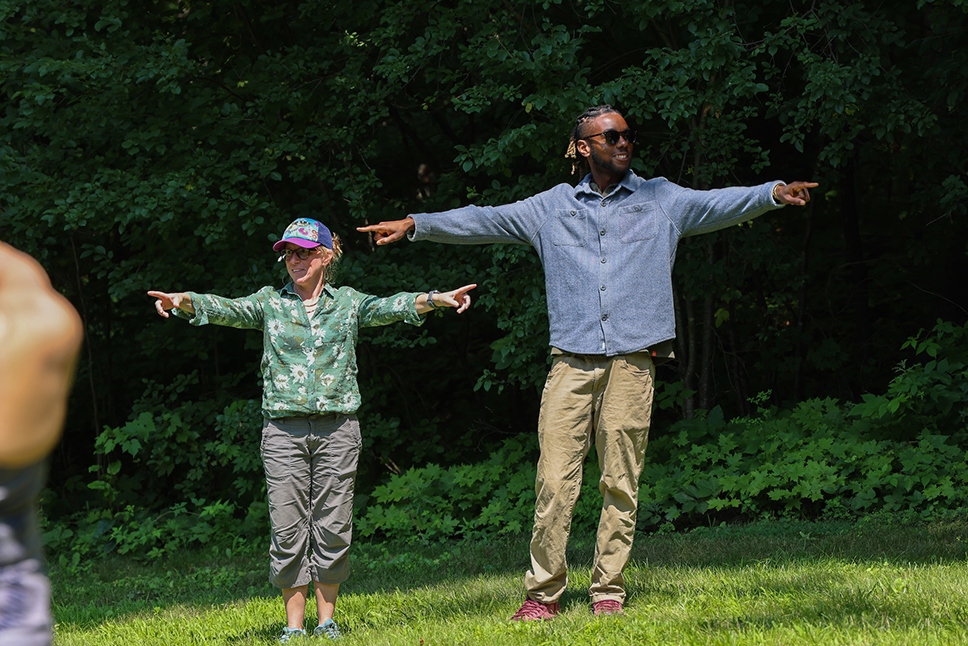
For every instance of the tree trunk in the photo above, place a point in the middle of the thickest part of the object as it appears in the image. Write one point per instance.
(685, 350)
(88, 337)
(738, 379)
(707, 396)
(800, 350)
(854, 254)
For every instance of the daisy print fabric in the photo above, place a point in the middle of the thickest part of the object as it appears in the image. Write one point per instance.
(308, 363)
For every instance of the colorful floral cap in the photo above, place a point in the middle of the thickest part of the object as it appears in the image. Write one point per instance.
(305, 233)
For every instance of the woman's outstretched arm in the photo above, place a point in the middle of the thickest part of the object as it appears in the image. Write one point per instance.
(166, 301)
(458, 298)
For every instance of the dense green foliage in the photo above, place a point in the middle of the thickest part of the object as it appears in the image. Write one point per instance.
(165, 144)
(901, 454)
(904, 453)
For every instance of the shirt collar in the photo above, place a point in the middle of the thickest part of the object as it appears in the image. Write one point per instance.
(327, 289)
(587, 185)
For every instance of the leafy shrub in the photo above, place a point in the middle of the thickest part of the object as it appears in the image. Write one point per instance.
(932, 396)
(210, 459)
(429, 503)
(811, 462)
(189, 448)
(901, 453)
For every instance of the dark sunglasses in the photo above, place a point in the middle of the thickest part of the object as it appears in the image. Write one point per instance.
(300, 253)
(612, 136)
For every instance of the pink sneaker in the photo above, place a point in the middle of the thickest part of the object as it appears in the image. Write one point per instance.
(608, 607)
(535, 611)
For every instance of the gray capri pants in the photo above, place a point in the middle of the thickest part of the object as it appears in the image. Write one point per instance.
(310, 465)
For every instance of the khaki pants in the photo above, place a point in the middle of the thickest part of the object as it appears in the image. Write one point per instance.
(586, 398)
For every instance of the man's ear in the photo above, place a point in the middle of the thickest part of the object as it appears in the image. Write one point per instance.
(583, 148)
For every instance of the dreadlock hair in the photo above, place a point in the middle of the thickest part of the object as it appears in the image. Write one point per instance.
(579, 165)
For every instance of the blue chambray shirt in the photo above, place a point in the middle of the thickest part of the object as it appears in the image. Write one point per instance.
(607, 259)
(308, 364)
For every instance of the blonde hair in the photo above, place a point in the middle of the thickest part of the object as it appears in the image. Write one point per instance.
(329, 272)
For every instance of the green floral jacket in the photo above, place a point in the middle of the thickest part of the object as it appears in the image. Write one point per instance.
(308, 365)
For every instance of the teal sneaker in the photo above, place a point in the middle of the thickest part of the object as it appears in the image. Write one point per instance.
(289, 633)
(327, 629)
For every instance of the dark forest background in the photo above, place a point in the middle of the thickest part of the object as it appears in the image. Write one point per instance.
(166, 145)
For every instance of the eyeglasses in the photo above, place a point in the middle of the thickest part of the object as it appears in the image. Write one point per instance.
(612, 136)
(300, 253)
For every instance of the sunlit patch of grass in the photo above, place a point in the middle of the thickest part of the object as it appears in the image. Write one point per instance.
(760, 584)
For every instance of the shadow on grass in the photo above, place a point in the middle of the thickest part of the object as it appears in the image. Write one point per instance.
(270, 634)
(472, 579)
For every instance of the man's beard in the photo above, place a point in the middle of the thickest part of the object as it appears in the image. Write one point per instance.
(609, 166)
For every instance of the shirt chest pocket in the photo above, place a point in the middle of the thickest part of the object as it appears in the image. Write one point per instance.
(570, 228)
(334, 329)
(294, 339)
(636, 222)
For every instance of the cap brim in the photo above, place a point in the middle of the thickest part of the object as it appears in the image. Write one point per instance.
(299, 242)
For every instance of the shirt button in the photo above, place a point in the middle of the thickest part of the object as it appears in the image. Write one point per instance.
(604, 317)
(603, 261)
(603, 288)
(574, 212)
(602, 232)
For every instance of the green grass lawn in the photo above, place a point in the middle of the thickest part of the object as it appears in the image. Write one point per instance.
(778, 584)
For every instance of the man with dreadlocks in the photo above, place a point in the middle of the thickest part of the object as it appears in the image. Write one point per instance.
(607, 246)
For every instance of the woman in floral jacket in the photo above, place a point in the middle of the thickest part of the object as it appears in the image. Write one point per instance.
(310, 435)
